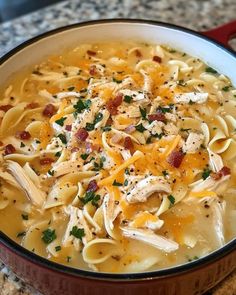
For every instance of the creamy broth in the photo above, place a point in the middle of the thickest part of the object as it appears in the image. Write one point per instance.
(115, 156)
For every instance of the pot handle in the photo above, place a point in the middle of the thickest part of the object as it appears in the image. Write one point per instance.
(223, 34)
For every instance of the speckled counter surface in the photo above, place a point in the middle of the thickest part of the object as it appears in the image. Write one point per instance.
(197, 15)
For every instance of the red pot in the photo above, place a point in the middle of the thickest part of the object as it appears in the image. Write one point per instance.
(193, 278)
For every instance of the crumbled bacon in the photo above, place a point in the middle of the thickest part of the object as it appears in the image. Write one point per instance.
(223, 172)
(159, 116)
(74, 149)
(91, 52)
(32, 105)
(93, 70)
(113, 104)
(49, 110)
(46, 161)
(128, 144)
(6, 107)
(24, 135)
(156, 59)
(138, 53)
(92, 186)
(81, 134)
(68, 127)
(175, 158)
(9, 149)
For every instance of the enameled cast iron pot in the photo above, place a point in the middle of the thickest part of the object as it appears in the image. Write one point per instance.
(193, 278)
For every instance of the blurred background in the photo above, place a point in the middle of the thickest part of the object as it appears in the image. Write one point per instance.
(23, 19)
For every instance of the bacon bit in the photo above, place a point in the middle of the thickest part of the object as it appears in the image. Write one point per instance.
(92, 53)
(109, 121)
(68, 127)
(32, 105)
(175, 158)
(46, 161)
(24, 135)
(138, 53)
(9, 149)
(223, 172)
(130, 129)
(128, 144)
(113, 104)
(159, 116)
(92, 70)
(81, 134)
(156, 59)
(6, 107)
(49, 110)
(92, 186)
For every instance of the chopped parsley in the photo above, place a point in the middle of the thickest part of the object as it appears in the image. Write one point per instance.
(126, 182)
(25, 216)
(81, 105)
(98, 118)
(116, 183)
(226, 88)
(62, 138)
(60, 121)
(77, 232)
(71, 88)
(58, 248)
(171, 199)
(191, 102)
(21, 234)
(128, 98)
(51, 172)
(58, 154)
(206, 172)
(143, 112)
(84, 156)
(89, 126)
(90, 196)
(166, 109)
(127, 172)
(117, 81)
(140, 128)
(211, 70)
(22, 144)
(49, 235)
(106, 128)
(165, 173)
(98, 166)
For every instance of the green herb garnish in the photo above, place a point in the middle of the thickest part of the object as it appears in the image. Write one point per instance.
(171, 199)
(62, 138)
(143, 112)
(71, 88)
(165, 173)
(206, 173)
(211, 70)
(140, 128)
(90, 196)
(84, 156)
(49, 235)
(116, 183)
(60, 121)
(106, 128)
(98, 118)
(58, 154)
(58, 248)
(117, 81)
(22, 144)
(226, 88)
(77, 232)
(128, 98)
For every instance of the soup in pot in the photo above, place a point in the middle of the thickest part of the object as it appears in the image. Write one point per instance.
(119, 157)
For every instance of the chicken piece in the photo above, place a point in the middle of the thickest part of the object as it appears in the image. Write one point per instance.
(34, 194)
(193, 143)
(150, 238)
(196, 97)
(146, 187)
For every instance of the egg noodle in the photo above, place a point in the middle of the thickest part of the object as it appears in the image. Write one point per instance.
(118, 157)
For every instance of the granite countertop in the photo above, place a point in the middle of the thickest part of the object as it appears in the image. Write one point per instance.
(196, 14)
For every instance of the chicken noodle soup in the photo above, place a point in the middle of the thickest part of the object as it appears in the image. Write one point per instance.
(115, 157)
